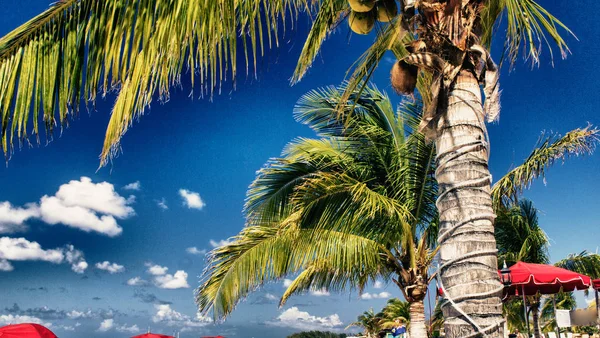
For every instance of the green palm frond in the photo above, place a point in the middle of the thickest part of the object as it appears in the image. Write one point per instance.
(585, 263)
(78, 49)
(519, 236)
(395, 309)
(529, 26)
(330, 14)
(548, 150)
(564, 301)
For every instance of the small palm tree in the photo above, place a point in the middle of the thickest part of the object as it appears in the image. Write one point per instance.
(352, 207)
(395, 309)
(370, 322)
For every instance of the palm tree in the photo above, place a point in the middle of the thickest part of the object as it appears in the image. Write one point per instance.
(393, 310)
(349, 208)
(520, 237)
(370, 322)
(139, 48)
(564, 301)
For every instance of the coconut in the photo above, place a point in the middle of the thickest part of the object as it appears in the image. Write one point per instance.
(361, 23)
(387, 10)
(404, 77)
(361, 5)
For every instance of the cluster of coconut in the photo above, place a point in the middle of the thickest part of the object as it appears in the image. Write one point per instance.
(365, 12)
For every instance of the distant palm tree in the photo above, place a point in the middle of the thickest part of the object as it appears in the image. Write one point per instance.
(78, 49)
(370, 322)
(520, 237)
(395, 309)
(349, 208)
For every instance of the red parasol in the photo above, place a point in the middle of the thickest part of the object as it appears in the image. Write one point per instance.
(26, 330)
(530, 278)
(596, 283)
(152, 335)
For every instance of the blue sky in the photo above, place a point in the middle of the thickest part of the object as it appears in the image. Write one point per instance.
(212, 151)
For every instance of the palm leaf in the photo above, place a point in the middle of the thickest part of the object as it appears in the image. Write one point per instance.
(549, 150)
(584, 263)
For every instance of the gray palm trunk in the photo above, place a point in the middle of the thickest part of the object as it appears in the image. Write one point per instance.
(535, 316)
(417, 319)
(467, 244)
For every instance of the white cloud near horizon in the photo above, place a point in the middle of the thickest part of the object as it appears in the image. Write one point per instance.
(168, 316)
(195, 251)
(12, 319)
(223, 242)
(136, 186)
(12, 219)
(303, 320)
(21, 249)
(320, 293)
(109, 267)
(127, 329)
(137, 281)
(191, 199)
(381, 295)
(106, 325)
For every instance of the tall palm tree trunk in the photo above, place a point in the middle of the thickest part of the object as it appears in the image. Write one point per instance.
(467, 244)
(598, 309)
(417, 320)
(535, 310)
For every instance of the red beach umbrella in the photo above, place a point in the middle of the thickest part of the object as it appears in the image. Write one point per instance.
(152, 335)
(26, 330)
(596, 284)
(529, 278)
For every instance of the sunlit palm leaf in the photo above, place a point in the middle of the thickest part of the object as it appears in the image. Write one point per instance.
(548, 151)
(585, 263)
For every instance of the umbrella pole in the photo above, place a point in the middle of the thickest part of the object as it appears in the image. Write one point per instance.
(597, 310)
(525, 309)
(554, 303)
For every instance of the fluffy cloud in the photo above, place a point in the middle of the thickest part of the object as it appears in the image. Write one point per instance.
(156, 270)
(12, 319)
(191, 199)
(20, 249)
(12, 219)
(128, 329)
(194, 251)
(223, 242)
(381, 295)
(175, 281)
(164, 280)
(320, 293)
(137, 281)
(162, 204)
(110, 267)
(87, 206)
(106, 325)
(287, 282)
(378, 285)
(302, 320)
(166, 315)
(133, 186)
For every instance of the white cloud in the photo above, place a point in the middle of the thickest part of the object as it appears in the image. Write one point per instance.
(320, 293)
(12, 319)
(287, 282)
(87, 206)
(162, 204)
(175, 281)
(381, 295)
(74, 314)
(128, 329)
(137, 281)
(75, 258)
(302, 320)
(194, 251)
(12, 219)
(110, 267)
(166, 315)
(378, 285)
(20, 249)
(220, 243)
(156, 270)
(270, 296)
(5, 265)
(191, 199)
(106, 325)
(133, 186)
